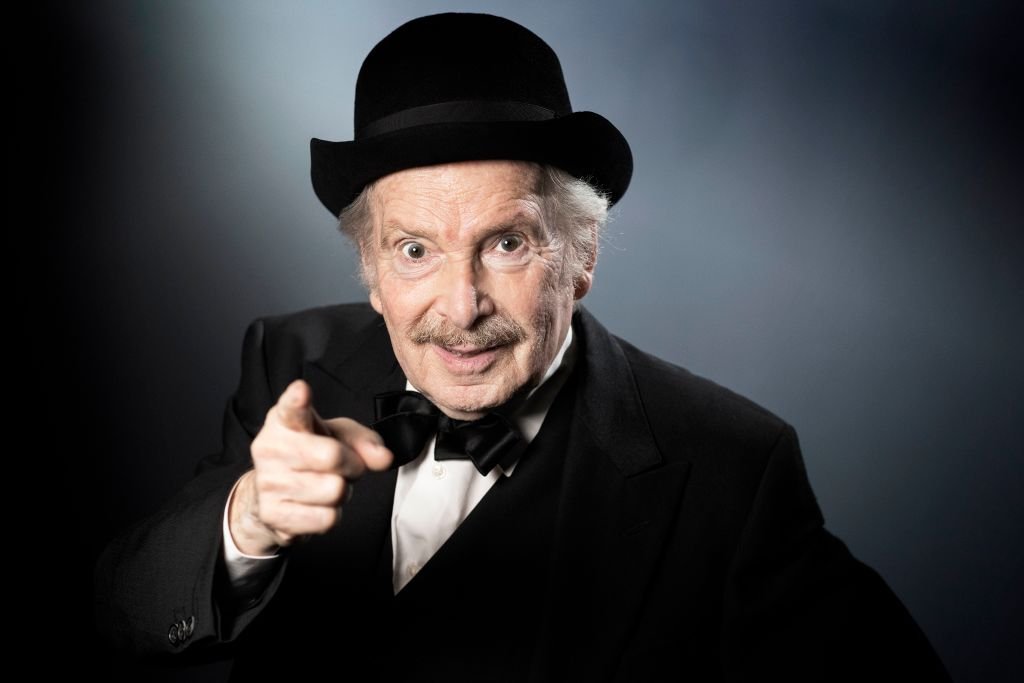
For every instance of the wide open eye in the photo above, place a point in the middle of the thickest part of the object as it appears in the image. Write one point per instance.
(509, 243)
(413, 251)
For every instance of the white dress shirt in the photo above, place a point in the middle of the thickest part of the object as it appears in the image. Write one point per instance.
(431, 498)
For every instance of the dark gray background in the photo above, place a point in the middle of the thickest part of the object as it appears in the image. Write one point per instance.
(825, 216)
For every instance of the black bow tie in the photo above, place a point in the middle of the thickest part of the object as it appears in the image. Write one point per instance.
(407, 420)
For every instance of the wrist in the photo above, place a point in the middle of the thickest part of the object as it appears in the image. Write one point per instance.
(250, 535)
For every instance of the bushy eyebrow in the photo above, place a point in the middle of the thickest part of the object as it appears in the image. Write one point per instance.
(386, 230)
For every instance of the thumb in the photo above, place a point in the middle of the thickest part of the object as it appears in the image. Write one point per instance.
(295, 408)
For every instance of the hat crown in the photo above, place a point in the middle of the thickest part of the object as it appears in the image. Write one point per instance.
(459, 87)
(457, 57)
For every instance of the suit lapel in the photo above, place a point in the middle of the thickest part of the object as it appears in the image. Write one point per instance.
(352, 368)
(344, 379)
(619, 503)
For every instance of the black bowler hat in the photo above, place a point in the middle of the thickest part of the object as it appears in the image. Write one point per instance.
(460, 87)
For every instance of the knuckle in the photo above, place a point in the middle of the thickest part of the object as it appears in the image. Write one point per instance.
(293, 519)
(328, 454)
(269, 484)
(264, 449)
(328, 517)
(298, 520)
(335, 489)
(271, 515)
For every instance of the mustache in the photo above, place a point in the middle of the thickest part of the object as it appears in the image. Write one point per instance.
(494, 330)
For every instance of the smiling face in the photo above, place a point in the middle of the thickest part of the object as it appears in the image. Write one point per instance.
(476, 288)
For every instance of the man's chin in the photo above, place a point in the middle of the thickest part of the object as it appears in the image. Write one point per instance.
(469, 405)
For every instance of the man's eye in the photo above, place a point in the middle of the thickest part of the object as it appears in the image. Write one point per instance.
(413, 250)
(509, 243)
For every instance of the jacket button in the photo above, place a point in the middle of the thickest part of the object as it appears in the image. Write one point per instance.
(172, 635)
(190, 626)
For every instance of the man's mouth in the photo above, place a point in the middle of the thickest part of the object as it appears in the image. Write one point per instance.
(467, 351)
(467, 359)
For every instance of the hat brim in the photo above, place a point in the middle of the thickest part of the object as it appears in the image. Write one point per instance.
(583, 144)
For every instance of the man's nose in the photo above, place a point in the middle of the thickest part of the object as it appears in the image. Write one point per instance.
(462, 299)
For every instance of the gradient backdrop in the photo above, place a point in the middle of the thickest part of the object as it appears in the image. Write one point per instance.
(825, 216)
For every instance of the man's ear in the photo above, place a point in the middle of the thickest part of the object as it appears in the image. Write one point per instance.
(369, 276)
(586, 278)
(583, 284)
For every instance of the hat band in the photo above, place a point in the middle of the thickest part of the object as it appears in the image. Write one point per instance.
(461, 111)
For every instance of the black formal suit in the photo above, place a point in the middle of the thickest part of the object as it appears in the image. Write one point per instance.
(658, 527)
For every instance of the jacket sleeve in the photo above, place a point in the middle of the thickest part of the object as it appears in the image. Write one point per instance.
(800, 607)
(159, 585)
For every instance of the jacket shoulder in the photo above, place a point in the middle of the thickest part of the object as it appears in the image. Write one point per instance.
(289, 339)
(316, 325)
(683, 407)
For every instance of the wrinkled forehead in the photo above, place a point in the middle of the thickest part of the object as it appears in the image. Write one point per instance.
(459, 194)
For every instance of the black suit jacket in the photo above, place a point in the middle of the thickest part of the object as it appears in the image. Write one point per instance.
(660, 527)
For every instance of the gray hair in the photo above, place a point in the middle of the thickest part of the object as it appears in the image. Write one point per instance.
(575, 213)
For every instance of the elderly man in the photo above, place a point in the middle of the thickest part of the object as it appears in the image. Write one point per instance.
(471, 479)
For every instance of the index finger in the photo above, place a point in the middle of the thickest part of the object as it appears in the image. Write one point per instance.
(363, 441)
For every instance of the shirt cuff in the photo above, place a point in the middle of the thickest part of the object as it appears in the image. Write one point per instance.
(248, 574)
